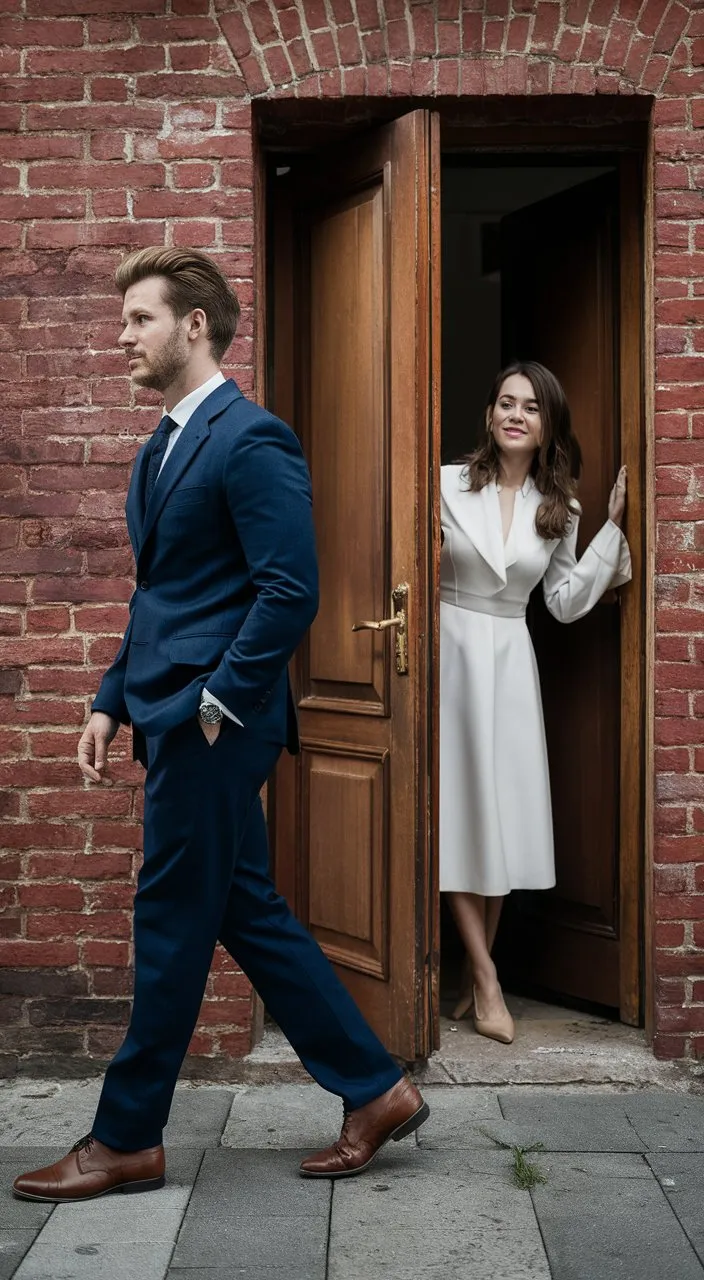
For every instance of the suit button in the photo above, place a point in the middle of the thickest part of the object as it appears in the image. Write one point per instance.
(144, 586)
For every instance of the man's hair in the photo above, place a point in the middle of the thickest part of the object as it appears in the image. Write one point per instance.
(192, 280)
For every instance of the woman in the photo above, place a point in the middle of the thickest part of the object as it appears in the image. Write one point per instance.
(509, 519)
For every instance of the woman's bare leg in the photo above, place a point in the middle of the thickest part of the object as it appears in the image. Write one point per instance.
(470, 919)
(470, 911)
(493, 915)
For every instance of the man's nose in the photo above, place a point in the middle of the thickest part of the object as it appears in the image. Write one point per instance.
(125, 339)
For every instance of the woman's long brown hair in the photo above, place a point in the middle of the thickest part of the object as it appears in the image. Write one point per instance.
(557, 463)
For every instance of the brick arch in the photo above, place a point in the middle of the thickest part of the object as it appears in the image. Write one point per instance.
(333, 48)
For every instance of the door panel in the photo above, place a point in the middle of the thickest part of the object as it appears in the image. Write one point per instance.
(351, 831)
(347, 442)
(347, 793)
(560, 305)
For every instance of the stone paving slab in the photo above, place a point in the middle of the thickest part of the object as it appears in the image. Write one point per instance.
(251, 1208)
(681, 1177)
(198, 1116)
(578, 1171)
(667, 1123)
(25, 1215)
(567, 1122)
(447, 1216)
(36, 1113)
(97, 1262)
(58, 1113)
(14, 1244)
(597, 1226)
(459, 1116)
(279, 1116)
(237, 1272)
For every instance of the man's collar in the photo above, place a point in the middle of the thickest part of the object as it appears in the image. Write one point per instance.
(186, 407)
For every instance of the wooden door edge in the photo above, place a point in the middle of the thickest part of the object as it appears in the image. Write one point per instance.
(634, 623)
(432, 889)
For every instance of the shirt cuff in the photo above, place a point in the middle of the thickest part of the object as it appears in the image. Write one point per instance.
(208, 697)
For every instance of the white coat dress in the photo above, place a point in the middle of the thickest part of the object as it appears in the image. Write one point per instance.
(495, 811)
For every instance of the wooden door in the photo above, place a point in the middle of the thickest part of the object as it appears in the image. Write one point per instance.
(561, 305)
(355, 336)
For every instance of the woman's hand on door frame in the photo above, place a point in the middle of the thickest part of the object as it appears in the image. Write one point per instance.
(617, 498)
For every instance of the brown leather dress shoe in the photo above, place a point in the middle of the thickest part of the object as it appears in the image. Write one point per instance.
(90, 1170)
(394, 1115)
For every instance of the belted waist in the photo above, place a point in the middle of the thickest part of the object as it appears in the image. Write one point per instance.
(493, 605)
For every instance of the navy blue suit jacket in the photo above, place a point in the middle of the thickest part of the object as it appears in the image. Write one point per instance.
(227, 580)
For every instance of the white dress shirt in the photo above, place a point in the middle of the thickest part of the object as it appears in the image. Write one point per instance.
(185, 409)
(181, 413)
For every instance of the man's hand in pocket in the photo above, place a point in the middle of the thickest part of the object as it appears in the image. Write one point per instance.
(211, 731)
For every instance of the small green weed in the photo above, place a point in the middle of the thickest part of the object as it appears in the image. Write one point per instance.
(526, 1174)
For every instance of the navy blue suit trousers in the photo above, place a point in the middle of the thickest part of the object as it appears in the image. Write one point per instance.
(205, 877)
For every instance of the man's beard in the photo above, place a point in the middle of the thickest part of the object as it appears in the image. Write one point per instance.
(165, 365)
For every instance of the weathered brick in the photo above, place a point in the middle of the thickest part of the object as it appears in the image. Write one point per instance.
(23, 954)
(109, 89)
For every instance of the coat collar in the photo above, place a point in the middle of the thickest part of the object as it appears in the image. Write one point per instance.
(479, 515)
(193, 436)
(485, 530)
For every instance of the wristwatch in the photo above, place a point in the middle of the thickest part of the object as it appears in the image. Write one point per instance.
(210, 712)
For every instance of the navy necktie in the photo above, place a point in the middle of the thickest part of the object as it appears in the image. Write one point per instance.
(157, 449)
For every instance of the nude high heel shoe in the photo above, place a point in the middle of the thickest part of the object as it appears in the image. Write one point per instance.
(500, 1027)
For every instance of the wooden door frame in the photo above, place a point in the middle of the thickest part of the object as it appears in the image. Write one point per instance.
(629, 143)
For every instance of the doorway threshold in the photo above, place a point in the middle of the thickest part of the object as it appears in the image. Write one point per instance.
(553, 1046)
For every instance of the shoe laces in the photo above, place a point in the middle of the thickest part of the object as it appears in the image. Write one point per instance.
(83, 1144)
(342, 1141)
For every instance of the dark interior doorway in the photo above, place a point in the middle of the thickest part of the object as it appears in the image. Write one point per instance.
(530, 263)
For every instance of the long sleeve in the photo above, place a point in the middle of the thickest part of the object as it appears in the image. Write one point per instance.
(110, 697)
(572, 587)
(269, 496)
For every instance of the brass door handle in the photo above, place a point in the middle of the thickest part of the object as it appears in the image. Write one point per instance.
(399, 619)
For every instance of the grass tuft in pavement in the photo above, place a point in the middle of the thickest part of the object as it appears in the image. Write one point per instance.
(526, 1174)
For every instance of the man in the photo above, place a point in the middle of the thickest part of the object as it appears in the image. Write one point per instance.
(219, 517)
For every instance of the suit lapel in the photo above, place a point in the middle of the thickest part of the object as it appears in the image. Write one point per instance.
(191, 440)
(194, 434)
(478, 513)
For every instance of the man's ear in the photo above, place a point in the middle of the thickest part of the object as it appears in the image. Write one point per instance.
(198, 324)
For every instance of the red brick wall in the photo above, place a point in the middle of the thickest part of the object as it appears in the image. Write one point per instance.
(128, 122)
